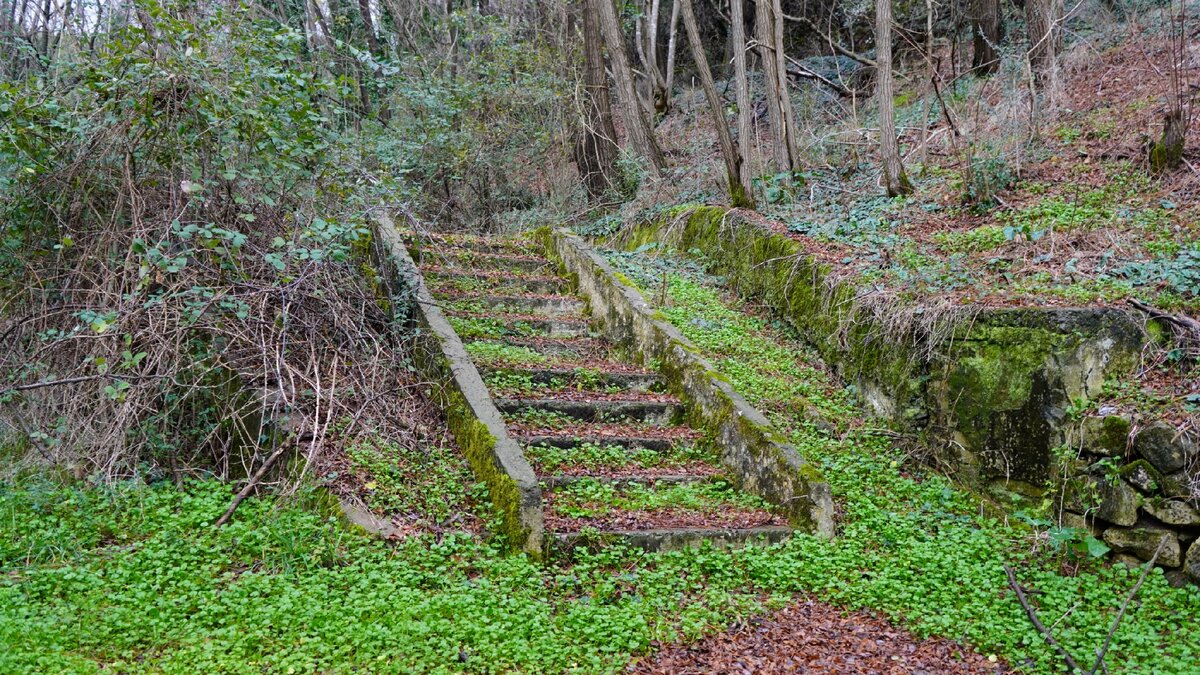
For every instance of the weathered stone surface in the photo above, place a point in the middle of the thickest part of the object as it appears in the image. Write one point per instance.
(1173, 512)
(1177, 484)
(1143, 541)
(1106, 435)
(1128, 559)
(1078, 522)
(1163, 446)
(1141, 475)
(1191, 564)
(758, 458)
(1115, 503)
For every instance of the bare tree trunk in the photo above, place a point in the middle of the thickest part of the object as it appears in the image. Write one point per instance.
(646, 42)
(738, 195)
(364, 74)
(894, 179)
(987, 29)
(662, 95)
(671, 33)
(596, 143)
(364, 8)
(1167, 154)
(637, 127)
(769, 29)
(744, 104)
(1043, 17)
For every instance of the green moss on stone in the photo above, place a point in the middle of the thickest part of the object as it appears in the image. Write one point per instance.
(479, 445)
(994, 368)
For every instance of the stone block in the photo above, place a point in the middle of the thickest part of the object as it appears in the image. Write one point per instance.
(1163, 446)
(1173, 512)
(1106, 435)
(1191, 563)
(1143, 541)
(1143, 476)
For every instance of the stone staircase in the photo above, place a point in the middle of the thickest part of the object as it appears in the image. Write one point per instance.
(608, 444)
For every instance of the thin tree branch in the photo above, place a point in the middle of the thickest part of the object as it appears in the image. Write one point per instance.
(1121, 614)
(1012, 582)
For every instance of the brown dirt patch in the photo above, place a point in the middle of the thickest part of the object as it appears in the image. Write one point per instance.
(814, 637)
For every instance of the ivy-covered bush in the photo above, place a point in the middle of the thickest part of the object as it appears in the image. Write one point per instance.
(178, 207)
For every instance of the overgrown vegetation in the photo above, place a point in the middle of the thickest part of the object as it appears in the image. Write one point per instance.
(186, 194)
(189, 303)
(288, 588)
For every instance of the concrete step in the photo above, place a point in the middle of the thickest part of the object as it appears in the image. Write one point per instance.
(565, 348)
(471, 242)
(548, 305)
(468, 260)
(562, 481)
(443, 279)
(672, 539)
(590, 379)
(527, 324)
(566, 440)
(649, 412)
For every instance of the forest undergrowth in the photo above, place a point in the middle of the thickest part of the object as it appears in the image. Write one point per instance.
(131, 577)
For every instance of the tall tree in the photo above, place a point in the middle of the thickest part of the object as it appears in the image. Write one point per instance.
(769, 29)
(744, 103)
(739, 195)
(987, 30)
(894, 179)
(647, 50)
(1042, 17)
(596, 144)
(637, 127)
(672, 32)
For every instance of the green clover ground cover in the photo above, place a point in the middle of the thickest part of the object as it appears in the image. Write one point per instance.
(133, 578)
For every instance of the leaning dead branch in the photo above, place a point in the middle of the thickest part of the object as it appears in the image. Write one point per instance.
(1037, 623)
(1072, 665)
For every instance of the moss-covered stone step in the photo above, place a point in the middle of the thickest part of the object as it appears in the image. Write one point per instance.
(585, 378)
(471, 324)
(574, 348)
(441, 242)
(549, 305)
(474, 260)
(560, 481)
(518, 357)
(645, 412)
(443, 279)
(569, 439)
(671, 539)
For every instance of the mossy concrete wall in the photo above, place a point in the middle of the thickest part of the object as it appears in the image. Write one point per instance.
(988, 389)
(456, 386)
(759, 460)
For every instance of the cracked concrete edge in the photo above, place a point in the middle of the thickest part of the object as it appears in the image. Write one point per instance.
(758, 457)
(495, 457)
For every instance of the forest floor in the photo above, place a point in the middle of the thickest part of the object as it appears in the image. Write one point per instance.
(134, 579)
